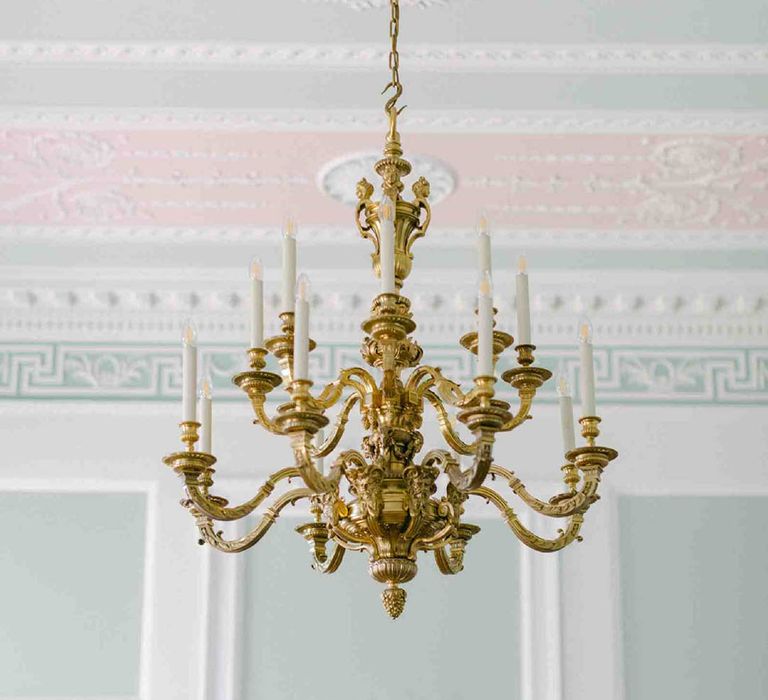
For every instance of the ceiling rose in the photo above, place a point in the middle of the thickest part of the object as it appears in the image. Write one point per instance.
(339, 177)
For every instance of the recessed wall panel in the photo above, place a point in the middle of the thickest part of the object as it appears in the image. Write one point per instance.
(327, 636)
(71, 581)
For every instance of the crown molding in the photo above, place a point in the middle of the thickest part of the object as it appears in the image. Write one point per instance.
(430, 121)
(704, 308)
(508, 58)
(440, 238)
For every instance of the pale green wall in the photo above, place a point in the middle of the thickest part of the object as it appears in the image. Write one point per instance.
(694, 575)
(71, 573)
(313, 636)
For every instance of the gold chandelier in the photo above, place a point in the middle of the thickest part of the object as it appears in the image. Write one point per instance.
(382, 500)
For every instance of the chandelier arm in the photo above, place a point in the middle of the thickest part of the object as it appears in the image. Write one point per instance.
(473, 477)
(523, 414)
(210, 507)
(447, 564)
(301, 442)
(349, 540)
(217, 541)
(264, 420)
(330, 565)
(541, 544)
(355, 378)
(577, 502)
(450, 436)
(433, 542)
(424, 378)
(338, 429)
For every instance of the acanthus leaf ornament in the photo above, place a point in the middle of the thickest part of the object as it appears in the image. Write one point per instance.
(382, 500)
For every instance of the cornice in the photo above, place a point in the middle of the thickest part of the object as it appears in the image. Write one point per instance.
(704, 308)
(556, 58)
(441, 238)
(431, 121)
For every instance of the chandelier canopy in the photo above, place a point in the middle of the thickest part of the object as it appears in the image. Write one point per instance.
(383, 498)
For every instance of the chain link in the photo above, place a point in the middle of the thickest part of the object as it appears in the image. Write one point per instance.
(394, 60)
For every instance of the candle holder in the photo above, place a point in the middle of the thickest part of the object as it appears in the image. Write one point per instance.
(281, 346)
(592, 456)
(190, 464)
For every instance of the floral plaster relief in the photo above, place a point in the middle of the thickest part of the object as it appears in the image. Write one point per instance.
(146, 177)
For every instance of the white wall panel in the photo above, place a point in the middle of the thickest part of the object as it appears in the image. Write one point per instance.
(72, 572)
(694, 575)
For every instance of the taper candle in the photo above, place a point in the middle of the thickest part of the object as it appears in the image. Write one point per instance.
(189, 372)
(289, 265)
(485, 327)
(483, 248)
(566, 414)
(387, 246)
(522, 303)
(257, 304)
(206, 415)
(587, 374)
(301, 330)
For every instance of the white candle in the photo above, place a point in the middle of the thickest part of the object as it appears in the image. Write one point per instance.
(587, 374)
(206, 415)
(319, 440)
(189, 372)
(522, 303)
(289, 265)
(566, 414)
(485, 327)
(301, 330)
(257, 304)
(387, 246)
(484, 248)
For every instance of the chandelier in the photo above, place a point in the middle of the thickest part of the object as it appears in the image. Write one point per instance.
(382, 499)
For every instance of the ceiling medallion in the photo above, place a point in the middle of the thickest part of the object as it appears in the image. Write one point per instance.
(382, 499)
(338, 179)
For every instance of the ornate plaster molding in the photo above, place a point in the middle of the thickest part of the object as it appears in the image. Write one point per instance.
(600, 58)
(634, 374)
(703, 308)
(528, 121)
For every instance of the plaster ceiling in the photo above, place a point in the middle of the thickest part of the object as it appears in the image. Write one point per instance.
(593, 124)
(325, 21)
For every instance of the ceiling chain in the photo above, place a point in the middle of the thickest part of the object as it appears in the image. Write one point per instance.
(394, 61)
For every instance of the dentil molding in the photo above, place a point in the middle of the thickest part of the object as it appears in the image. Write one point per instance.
(605, 58)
